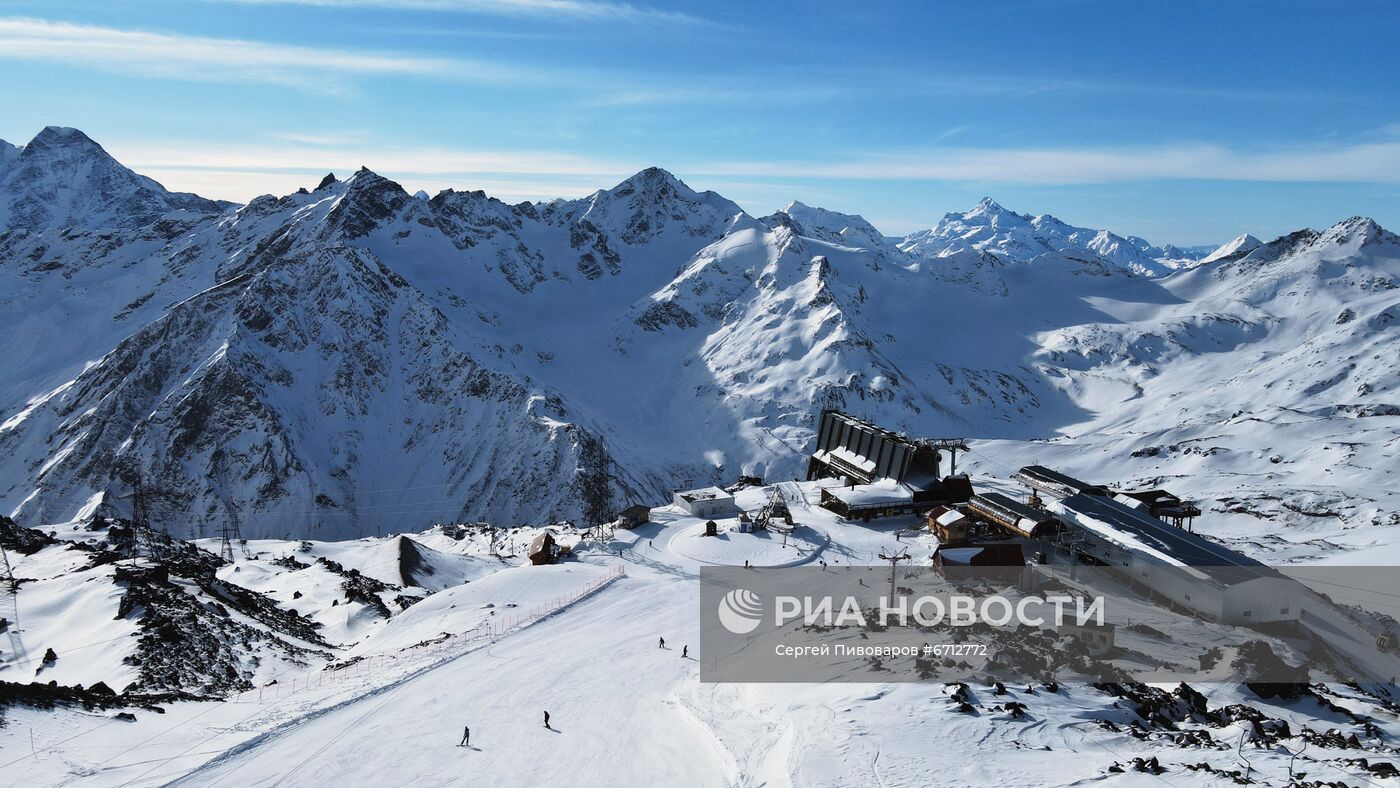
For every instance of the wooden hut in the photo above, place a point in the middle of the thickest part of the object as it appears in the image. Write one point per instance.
(543, 550)
(948, 524)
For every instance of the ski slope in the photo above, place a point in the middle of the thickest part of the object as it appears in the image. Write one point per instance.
(625, 712)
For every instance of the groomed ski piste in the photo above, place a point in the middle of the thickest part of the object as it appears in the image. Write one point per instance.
(504, 642)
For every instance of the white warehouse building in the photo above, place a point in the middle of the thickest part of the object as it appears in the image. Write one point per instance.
(1186, 568)
(707, 502)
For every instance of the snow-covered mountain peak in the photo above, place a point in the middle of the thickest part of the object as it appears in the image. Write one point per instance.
(58, 138)
(652, 179)
(987, 226)
(62, 178)
(1238, 247)
(1357, 231)
(658, 187)
(368, 200)
(988, 207)
(839, 228)
(647, 205)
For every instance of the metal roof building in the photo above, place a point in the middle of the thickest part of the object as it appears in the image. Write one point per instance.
(1055, 483)
(1117, 529)
(1188, 569)
(864, 452)
(1012, 514)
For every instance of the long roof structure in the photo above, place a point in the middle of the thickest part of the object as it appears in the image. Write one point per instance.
(1139, 531)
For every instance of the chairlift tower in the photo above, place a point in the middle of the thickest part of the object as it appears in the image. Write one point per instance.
(11, 589)
(10, 582)
(902, 555)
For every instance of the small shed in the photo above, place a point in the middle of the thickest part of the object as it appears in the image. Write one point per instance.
(543, 550)
(711, 528)
(633, 516)
(948, 524)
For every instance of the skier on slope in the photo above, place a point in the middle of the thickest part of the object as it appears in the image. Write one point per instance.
(546, 719)
(685, 652)
(661, 643)
(466, 737)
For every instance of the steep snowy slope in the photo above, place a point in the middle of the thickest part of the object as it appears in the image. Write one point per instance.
(283, 331)
(350, 359)
(1240, 246)
(284, 394)
(1263, 384)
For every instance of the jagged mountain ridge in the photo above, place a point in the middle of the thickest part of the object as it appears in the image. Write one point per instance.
(990, 227)
(351, 358)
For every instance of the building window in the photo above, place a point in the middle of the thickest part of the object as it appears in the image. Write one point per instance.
(1248, 613)
(1188, 597)
(1283, 611)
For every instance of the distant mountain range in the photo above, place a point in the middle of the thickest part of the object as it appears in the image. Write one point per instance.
(351, 358)
(1016, 236)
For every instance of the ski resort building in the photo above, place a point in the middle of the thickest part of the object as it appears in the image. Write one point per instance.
(1099, 638)
(1084, 523)
(948, 524)
(1116, 534)
(706, 502)
(1011, 515)
(855, 449)
(1186, 568)
(633, 516)
(886, 473)
(1054, 483)
(863, 501)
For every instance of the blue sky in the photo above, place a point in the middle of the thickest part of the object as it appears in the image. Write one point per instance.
(1184, 122)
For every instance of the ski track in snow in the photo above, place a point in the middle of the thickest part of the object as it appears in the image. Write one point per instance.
(625, 712)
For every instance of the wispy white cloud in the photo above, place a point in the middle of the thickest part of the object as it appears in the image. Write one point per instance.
(1361, 163)
(203, 58)
(241, 171)
(417, 160)
(571, 10)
